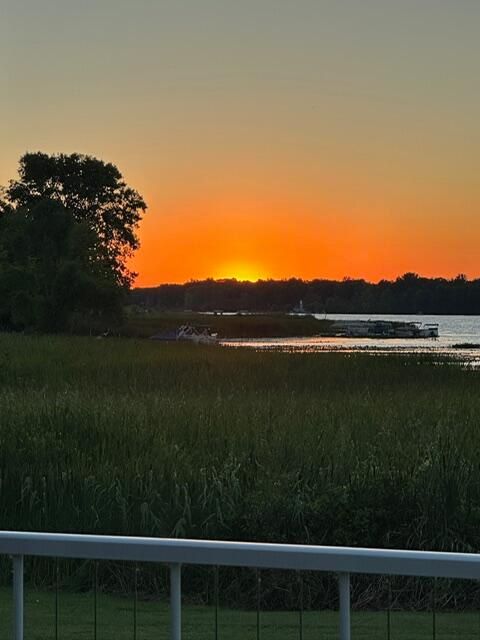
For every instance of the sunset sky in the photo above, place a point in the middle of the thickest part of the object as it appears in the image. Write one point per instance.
(270, 138)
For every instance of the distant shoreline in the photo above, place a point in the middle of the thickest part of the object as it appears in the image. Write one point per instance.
(273, 325)
(409, 294)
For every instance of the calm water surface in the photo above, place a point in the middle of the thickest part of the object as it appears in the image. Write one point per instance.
(453, 330)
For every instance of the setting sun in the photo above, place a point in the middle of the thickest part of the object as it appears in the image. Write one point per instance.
(241, 272)
(240, 291)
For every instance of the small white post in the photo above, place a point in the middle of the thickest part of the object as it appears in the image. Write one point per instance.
(17, 597)
(175, 602)
(344, 590)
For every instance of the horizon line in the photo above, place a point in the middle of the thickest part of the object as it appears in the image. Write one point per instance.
(413, 274)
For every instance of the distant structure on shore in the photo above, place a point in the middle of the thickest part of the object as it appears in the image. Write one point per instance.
(385, 329)
(299, 308)
(409, 294)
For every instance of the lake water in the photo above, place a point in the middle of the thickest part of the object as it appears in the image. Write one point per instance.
(453, 330)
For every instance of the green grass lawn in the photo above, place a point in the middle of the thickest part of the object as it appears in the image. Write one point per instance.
(115, 621)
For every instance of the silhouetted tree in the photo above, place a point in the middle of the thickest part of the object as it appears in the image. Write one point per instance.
(48, 271)
(67, 227)
(95, 194)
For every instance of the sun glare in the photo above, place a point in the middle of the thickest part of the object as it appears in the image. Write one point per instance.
(241, 272)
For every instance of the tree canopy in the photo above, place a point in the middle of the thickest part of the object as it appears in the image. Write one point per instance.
(409, 293)
(67, 227)
(93, 191)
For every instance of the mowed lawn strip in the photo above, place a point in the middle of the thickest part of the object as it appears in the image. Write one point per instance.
(115, 621)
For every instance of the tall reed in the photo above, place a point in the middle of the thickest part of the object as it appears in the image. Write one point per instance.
(136, 437)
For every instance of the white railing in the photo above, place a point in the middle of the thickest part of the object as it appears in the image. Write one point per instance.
(341, 560)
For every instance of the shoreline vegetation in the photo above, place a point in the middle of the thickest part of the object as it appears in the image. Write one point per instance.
(408, 294)
(241, 325)
(136, 437)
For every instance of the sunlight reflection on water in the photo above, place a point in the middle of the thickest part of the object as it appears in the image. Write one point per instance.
(454, 330)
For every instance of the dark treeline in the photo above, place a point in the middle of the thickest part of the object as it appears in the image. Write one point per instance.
(67, 229)
(409, 293)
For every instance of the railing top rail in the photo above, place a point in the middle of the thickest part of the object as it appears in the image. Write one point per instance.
(243, 554)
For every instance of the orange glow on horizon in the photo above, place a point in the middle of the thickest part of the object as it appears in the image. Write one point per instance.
(262, 238)
(270, 139)
(243, 272)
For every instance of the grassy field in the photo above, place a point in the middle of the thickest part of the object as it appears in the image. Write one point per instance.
(273, 325)
(117, 617)
(135, 437)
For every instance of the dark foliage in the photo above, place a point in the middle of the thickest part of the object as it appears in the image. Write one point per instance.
(409, 293)
(93, 191)
(49, 275)
(67, 226)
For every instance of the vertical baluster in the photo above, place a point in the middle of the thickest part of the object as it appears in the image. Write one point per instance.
(344, 589)
(57, 573)
(258, 582)
(389, 608)
(135, 602)
(300, 608)
(18, 597)
(95, 604)
(216, 598)
(175, 602)
(434, 617)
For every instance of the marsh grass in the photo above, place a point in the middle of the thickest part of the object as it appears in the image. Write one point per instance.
(261, 325)
(139, 438)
